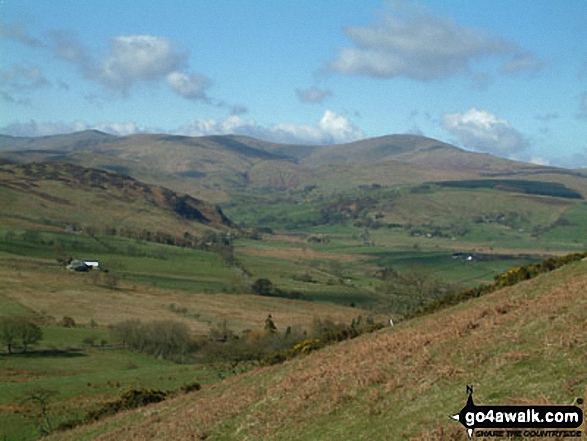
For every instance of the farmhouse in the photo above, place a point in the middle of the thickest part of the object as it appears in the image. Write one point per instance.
(465, 256)
(83, 265)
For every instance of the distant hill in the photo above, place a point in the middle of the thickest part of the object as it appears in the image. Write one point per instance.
(216, 167)
(61, 143)
(523, 345)
(58, 195)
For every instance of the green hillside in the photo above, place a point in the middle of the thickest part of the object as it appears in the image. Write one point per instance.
(520, 345)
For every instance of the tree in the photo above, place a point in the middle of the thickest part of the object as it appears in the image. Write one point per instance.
(8, 332)
(68, 322)
(29, 333)
(263, 287)
(270, 325)
(129, 332)
(13, 329)
(165, 339)
(42, 397)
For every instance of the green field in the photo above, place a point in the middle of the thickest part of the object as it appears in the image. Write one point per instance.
(82, 380)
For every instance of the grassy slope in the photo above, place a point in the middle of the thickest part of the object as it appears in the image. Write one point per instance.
(64, 194)
(43, 288)
(521, 345)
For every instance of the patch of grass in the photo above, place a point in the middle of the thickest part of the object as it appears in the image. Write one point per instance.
(83, 380)
(10, 308)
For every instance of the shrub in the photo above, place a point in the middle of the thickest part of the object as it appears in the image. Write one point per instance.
(263, 287)
(307, 346)
(190, 387)
(131, 399)
(89, 341)
(68, 322)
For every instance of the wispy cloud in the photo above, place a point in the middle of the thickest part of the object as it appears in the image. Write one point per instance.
(582, 107)
(24, 78)
(9, 98)
(576, 160)
(412, 42)
(19, 33)
(313, 95)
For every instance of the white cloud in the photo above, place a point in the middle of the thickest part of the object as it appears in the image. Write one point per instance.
(313, 95)
(332, 128)
(539, 160)
(34, 128)
(482, 131)
(411, 42)
(189, 86)
(131, 59)
(134, 58)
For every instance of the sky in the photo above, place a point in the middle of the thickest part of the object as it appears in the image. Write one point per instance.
(503, 77)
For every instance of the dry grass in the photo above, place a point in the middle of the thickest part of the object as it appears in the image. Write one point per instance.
(371, 381)
(53, 291)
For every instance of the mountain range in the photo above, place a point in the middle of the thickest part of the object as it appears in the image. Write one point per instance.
(216, 167)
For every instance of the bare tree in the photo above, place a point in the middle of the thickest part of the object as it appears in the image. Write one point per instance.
(42, 397)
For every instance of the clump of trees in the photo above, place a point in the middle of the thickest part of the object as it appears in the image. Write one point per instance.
(19, 332)
(272, 345)
(267, 345)
(265, 287)
(165, 339)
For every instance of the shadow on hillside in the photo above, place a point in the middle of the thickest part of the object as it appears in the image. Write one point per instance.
(46, 353)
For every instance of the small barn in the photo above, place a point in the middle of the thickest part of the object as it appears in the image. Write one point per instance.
(83, 265)
(92, 263)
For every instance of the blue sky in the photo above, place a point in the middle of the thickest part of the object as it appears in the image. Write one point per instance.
(507, 78)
